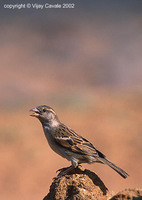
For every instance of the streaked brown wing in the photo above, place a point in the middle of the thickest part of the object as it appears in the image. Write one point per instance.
(64, 141)
(67, 138)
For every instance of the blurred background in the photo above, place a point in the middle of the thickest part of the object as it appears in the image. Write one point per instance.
(84, 62)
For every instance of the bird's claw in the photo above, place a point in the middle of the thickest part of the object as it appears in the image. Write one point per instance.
(62, 169)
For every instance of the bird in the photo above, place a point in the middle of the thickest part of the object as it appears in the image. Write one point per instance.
(68, 144)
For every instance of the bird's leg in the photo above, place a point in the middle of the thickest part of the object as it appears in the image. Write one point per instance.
(65, 171)
(65, 168)
(62, 169)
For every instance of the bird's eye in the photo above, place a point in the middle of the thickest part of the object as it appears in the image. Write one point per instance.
(44, 110)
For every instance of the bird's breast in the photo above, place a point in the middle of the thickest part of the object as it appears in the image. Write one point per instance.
(49, 136)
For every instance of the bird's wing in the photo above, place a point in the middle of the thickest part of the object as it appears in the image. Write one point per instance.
(70, 140)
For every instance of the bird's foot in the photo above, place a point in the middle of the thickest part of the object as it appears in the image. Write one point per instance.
(63, 172)
(62, 169)
(65, 168)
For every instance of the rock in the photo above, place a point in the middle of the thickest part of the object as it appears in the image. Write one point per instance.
(128, 194)
(79, 184)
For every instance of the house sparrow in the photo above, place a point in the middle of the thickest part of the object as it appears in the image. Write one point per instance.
(67, 143)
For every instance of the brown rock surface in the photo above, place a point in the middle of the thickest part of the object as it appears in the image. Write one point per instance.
(82, 184)
(78, 185)
(128, 194)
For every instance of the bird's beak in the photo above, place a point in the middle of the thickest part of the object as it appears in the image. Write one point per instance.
(35, 113)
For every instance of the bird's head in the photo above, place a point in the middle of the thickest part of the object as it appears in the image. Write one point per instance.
(44, 113)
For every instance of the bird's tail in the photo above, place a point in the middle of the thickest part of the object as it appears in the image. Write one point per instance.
(113, 166)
